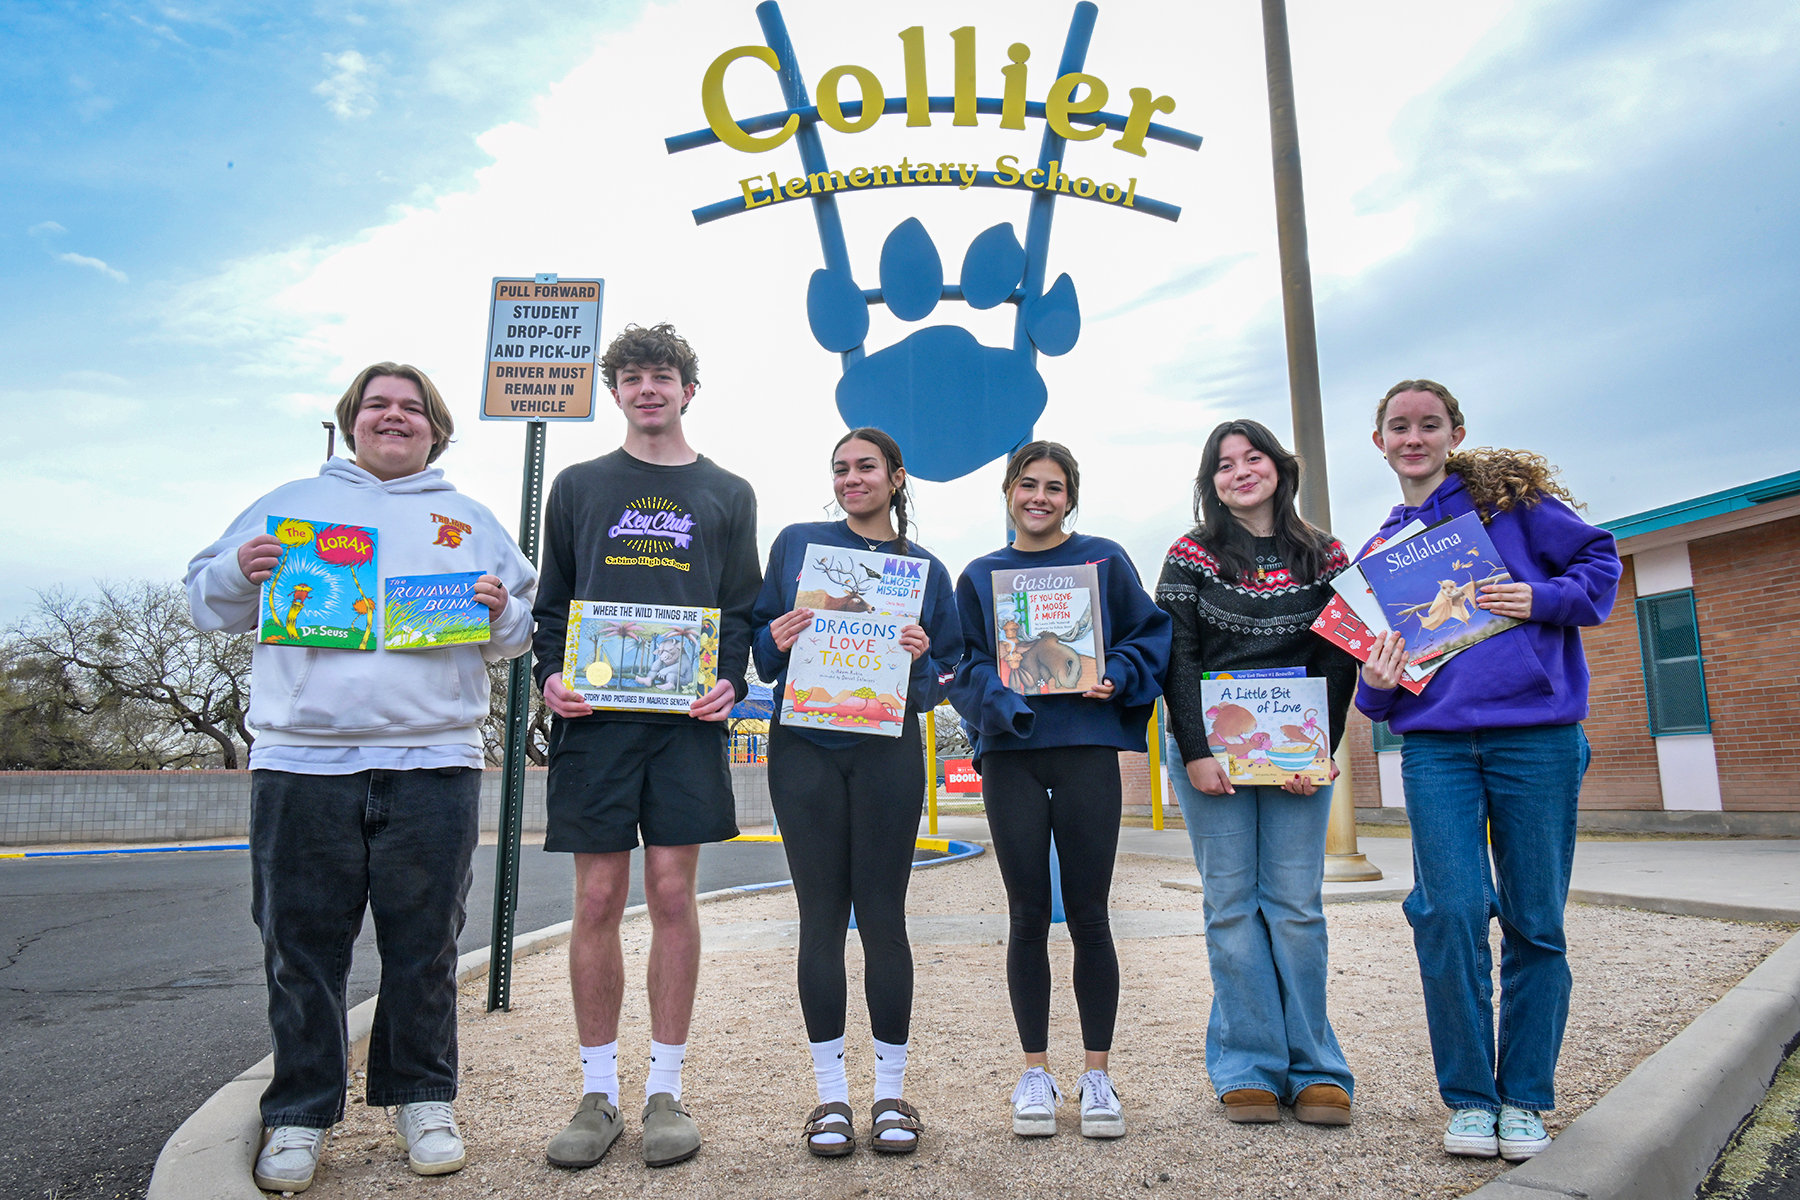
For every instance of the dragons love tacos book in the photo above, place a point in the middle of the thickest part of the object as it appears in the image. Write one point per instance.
(1048, 638)
(847, 670)
(1427, 586)
(648, 657)
(425, 612)
(1268, 730)
(320, 591)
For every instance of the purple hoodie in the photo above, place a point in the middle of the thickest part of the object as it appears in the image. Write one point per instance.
(1535, 673)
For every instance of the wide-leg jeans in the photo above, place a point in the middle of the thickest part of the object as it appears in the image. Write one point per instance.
(1261, 854)
(322, 847)
(1522, 785)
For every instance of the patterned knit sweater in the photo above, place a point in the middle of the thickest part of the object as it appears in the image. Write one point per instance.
(1257, 622)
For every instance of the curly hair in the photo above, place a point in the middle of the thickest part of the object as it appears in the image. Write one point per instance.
(658, 346)
(1498, 480)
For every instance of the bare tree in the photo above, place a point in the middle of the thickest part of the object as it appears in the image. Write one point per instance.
(176, 695)
(493, 726)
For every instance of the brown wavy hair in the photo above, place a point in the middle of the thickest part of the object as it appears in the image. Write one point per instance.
(1496, 479)
(437, 413)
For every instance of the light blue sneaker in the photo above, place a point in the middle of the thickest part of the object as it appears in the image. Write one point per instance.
(1471, 1133)
(1521, 1134)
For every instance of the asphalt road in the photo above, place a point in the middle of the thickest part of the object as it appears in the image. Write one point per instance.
(132, 989)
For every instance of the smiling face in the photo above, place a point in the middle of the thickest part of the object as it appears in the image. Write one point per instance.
(652, 396)
(1245, 481)
(392, 432)
(860, 477)
(1038, 502)
(1416, 437)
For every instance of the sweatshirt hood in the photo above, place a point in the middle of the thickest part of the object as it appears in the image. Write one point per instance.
(1449, 499)
(431, 479)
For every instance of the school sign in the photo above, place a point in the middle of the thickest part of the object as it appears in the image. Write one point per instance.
(997, 394)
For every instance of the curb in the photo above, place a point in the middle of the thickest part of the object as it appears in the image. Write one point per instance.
(1657, 1133)
(210, 1156)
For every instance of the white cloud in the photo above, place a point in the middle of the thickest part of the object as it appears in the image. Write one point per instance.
(349, 90)
(83, 260)
(44, 228)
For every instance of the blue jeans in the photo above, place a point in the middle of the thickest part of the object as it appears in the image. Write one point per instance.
(322, 847)
(1261, 854)
(1518, 787)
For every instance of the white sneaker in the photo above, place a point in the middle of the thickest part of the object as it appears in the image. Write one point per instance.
(1522, 1134)
(1101, 1116)
(1034, 1103)
(427, 1132)
(289, 1156)
(1471, 1133)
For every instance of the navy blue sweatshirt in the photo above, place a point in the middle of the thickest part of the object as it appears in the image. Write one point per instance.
(930, 671)
(1136, 635)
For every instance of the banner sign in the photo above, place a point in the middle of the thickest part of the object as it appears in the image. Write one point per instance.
(542, 349)
(960, 776)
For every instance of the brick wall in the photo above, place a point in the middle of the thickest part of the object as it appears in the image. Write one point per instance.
(1623, 773)
(1745, 587)
(1365, 780)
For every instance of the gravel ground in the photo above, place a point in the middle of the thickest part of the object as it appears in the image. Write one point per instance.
(1639, 979)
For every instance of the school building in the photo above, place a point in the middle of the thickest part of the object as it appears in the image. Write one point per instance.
(1694, 710)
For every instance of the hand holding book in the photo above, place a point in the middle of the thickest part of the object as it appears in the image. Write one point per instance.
(1387, 658)
(1507, 600)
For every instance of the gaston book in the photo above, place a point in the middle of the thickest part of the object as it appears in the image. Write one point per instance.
(319, 592)
(424, 612)
(847, 670)
(648, 657)
(1266, 731)
(1048, 638)
(1428, 583)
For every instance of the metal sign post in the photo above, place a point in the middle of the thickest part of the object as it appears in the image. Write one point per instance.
(542, 358)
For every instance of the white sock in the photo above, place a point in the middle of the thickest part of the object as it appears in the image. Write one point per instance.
(890, 1079)
(834, 1087)
(600, 1070)
(665, 1069)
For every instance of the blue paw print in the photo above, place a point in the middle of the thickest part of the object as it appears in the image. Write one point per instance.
(952, 403)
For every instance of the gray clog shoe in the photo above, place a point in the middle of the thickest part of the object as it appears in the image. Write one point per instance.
(589, 1135)
(670, 1135)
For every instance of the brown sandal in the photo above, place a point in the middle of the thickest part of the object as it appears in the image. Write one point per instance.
(908, 1120)
(816, 1123)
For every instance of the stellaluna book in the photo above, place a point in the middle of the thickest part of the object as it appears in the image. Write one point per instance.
(1048, 635)
(425, 612)
(320, 591)
(1266, 731)
(646, 657)
(1427, 586)
(847, 669)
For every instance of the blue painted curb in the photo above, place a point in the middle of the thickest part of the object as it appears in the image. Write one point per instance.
(127, 850)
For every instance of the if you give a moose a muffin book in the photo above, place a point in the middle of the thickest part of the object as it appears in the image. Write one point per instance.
(1048, 638)
(847, 670)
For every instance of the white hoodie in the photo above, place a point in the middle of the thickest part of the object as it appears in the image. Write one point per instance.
(308, 696)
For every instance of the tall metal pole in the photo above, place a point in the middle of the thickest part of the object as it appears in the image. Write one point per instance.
(518, 731)
(1343, 862)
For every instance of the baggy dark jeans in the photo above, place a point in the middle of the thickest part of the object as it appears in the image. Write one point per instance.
(321, 848)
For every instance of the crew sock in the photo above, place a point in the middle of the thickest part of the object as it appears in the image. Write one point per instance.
(890, 1079)
(665, 1069)
(834, 1087)
(600, 1070)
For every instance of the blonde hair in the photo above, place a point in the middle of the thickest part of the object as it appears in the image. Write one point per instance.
(1498, 479)
(436, 411)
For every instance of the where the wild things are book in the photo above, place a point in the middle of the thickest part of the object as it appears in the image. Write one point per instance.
(321, 591)
(1048, 638)
(847, 670)
(649, 657)
(1268, 730)
(1427, 586)
(424, 612)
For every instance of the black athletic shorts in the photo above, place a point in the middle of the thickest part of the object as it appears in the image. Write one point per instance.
(611, 780)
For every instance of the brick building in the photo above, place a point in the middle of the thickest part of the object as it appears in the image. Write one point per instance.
(1695, 702)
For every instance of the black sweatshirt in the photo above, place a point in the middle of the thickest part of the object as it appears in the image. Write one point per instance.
(620, 529)
(1243, 625)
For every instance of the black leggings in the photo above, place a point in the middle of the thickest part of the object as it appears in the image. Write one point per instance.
(1073, 791)
(849, 819)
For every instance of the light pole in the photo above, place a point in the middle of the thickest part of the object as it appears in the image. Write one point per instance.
(1343, 862)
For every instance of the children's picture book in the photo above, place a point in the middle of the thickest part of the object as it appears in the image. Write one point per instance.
(1258, 673)
(425, 612)
(319, 593)
(1427, 586)
(646, 657)
(1338, 625)
(847, 670)
(1266, 731)
(1048, 635)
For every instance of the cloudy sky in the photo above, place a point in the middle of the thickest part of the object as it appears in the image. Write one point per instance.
(1579, 214)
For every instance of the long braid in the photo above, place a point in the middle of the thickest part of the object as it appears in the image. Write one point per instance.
(898, 503)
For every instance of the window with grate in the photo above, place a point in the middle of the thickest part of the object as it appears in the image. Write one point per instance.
(1674, 679)
(1385, 738)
